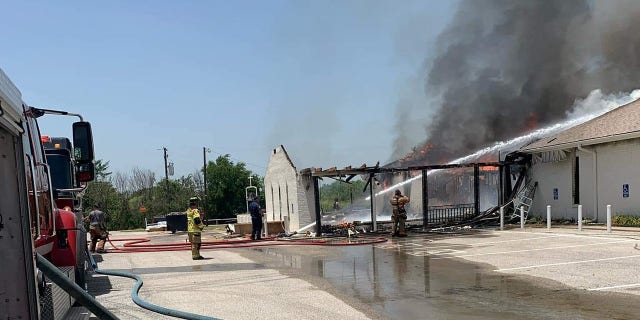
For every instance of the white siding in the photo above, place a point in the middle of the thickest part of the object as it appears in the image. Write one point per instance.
(288, 196)
(550, 176)
(306, 200)
(618, 163)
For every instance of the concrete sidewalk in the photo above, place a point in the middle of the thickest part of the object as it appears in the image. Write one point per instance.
(225, 286)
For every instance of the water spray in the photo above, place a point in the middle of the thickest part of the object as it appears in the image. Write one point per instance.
(582, 111)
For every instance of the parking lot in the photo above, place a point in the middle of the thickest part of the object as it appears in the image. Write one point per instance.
(590, 259)
(468, 274)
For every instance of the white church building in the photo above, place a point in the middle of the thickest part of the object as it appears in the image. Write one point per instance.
(289, 195)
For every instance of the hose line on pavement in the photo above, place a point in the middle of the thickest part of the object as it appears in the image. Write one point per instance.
(78, 293)
(142, 245)
(144, 304)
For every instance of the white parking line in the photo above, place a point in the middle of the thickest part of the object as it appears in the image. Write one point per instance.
(512, 240)
(478, 244)
(445, 245)
(567, 263)
(455, 245)
(407, 244)
(615, 287)
(594, 236)
(539, 249)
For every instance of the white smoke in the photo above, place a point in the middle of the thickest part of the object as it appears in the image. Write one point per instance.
(594, 105)
(597, 103)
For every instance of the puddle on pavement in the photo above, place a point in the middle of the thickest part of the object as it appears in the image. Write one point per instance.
(194, 268)
(399, 284)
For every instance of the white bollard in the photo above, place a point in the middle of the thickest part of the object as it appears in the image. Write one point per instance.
(548, 217)
(521, 217)
(579, 217)
(609, 218)
(501, 218)
(266, 227)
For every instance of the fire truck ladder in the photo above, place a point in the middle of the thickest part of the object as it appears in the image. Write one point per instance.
(524, 199)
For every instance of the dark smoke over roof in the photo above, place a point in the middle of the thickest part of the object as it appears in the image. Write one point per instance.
(503, 68)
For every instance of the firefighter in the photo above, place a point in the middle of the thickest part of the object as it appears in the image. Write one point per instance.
(399, 215)
(97, 228)
(256, 218)
(195, 226)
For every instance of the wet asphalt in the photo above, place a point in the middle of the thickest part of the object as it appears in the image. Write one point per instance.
(528, 273)
(389, 281)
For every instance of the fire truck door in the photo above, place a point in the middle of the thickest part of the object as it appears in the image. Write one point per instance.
(18, 289)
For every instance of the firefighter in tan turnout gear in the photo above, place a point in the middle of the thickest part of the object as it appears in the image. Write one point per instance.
(399, 215)
(195, 226)
(97, 229)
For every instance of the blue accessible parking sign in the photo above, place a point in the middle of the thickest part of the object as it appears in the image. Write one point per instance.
(625, 191)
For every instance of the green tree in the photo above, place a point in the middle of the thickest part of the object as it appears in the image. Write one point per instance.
(226, 183)
(102, 168)
(122, 195)
(172, 197)
(105, 196)
(342, 191)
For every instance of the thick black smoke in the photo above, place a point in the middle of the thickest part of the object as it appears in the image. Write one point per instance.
(504, 67)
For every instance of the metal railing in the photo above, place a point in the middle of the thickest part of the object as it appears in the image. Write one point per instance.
(220, 221)
(451, 213)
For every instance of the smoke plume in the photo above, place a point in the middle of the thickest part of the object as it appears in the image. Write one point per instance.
(503, 68)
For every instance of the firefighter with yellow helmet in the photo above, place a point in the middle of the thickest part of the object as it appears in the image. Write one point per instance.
(194, 228)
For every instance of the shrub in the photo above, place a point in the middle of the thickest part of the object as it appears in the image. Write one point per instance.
(535, 219)
(626, 221)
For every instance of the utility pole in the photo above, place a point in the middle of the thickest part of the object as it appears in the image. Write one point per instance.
(166, 169)
(204, 170)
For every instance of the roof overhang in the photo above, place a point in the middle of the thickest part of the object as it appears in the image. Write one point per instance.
(364, 170)
(584, 142)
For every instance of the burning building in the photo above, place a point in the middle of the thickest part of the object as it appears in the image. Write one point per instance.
(594, 164)
(501, 69)
(505, 69)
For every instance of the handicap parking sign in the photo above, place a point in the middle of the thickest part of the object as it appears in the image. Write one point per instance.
(555, 193)
(625, 191)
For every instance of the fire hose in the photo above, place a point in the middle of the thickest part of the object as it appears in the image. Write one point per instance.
(141, 245)
(142, 303)
(73, 289)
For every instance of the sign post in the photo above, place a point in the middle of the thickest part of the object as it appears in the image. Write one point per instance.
(143, 211)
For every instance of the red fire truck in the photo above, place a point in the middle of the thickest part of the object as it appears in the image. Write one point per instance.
(32, 224)
(59, 154)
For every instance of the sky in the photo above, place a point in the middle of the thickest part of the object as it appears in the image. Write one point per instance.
(322, 78)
